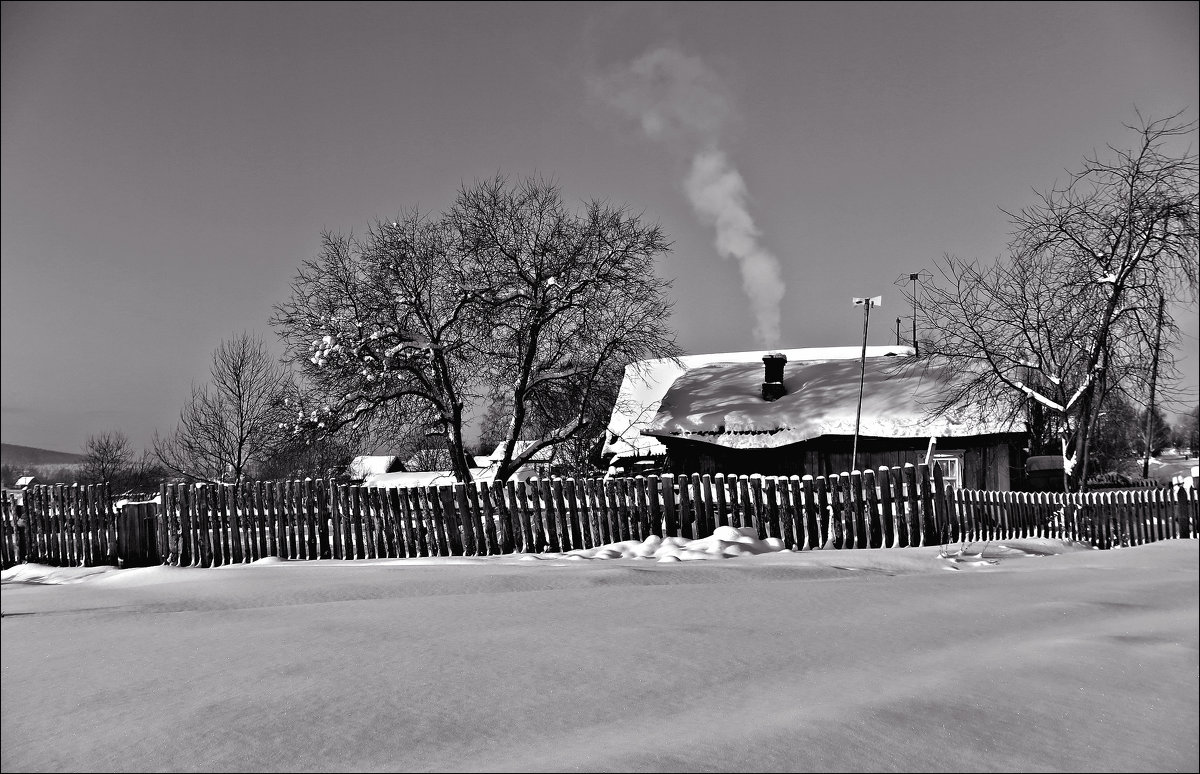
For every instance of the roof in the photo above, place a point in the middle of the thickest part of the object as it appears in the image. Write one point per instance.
(443, 477)
(403, 479)
(484, 470)
(545, 454)
(26, 480)
(647, 381)
(372, 464)
(722, 404)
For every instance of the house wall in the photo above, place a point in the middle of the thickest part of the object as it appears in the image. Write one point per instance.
(989, 462)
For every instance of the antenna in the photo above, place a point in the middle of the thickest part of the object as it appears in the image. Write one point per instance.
(914, 278)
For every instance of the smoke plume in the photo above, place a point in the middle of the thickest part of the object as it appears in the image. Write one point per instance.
(680, 101)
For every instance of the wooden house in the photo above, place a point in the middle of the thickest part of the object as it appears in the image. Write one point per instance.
(794, 412)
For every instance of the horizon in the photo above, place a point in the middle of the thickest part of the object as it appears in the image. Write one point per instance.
(166, 168)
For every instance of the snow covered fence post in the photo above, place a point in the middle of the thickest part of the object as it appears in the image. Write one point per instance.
(940, 509)
(887, 514)
(494, 527)
(858, 510)
(810, 514)
(870, 492)
(771, 505)
(653, 495)
(63, 530)
(824, 514)
(670, 513)
(846, 507)
(928, 527)
(562, 519)
(787, 513)
(702, 502)
(577, 526)
(685, 508)
(1182, 505)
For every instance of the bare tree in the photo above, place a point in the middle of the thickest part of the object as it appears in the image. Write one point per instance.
(107, 457)
(235, 421)
(508, 294)
(378, 327)
(1070, 315)
(567, 299)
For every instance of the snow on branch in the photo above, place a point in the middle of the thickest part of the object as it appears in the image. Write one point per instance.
(1039, 397)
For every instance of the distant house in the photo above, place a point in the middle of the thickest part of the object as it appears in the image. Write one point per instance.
(403, 479)
(367, 465)
(25, 481)
(540, 466)
(730, 414)
(484, 469)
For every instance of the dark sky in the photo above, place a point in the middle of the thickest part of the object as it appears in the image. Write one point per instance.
(167, 166)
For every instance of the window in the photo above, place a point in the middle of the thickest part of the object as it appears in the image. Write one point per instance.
(951, 464)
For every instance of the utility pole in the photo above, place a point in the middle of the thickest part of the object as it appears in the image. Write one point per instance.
(1153, 384)
(866, 304)
(914, 278)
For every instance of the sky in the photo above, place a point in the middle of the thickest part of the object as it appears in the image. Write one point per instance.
(166, 167)
(897, 659)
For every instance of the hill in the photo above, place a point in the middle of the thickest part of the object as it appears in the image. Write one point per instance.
(18, 456)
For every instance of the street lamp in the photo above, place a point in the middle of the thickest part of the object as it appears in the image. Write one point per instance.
(866, 304)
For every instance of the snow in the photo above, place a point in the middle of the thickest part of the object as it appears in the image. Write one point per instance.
(402, 479)
(722, 404)
(366, 465)
(647, 381)
(1028, 655)
(485, 472)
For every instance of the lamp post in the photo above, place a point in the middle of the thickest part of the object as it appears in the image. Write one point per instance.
(866, 304)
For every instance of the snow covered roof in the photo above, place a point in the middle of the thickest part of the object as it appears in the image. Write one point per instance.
(372, 465)
(542, 455)
(24, 481)
(647, 381)
(403, 479)
(444, 477)
(722, 404)
(484, 470)
(430, 457)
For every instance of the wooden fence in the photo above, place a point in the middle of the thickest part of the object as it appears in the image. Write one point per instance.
(198, 525)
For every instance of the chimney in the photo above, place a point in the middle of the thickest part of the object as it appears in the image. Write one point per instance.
(772, 386)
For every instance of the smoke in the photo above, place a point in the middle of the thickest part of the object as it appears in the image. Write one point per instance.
(679, 101)
(717, 193)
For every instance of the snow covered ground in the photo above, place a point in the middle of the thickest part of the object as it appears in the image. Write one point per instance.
(1034, 656)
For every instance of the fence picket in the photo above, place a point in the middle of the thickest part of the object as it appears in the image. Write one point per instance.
(577, 510)
(756, 501)
(838, 500)
(789, 510)
(800, 511)
(702, 496)
(562, 519)
(654, 495)
(771, 508)
(597, 511)
(670, 512)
